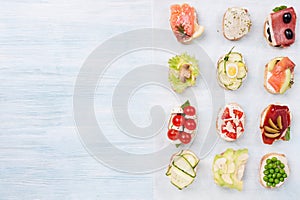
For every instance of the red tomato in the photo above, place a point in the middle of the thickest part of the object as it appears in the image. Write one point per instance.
(173, 134)
(226, 114)
(231, 135)
(241, 125)
(190, 124)
(185, 138)
(178, 120)
(189, 110)
(238, 113)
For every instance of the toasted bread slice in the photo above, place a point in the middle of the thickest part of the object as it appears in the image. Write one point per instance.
(263, 162)
(236, 23)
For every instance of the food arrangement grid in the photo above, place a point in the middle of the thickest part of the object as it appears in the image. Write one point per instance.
(252, 97)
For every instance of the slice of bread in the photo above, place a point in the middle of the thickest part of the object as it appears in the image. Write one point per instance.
(268, 74)
(263, 117)
(236, 23)
(263, 162)
(219, 121)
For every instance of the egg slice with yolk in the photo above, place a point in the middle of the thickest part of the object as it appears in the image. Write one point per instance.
(231, 70)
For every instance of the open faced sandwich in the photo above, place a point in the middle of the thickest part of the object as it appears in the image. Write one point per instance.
(182, 169)
(280, 27)
(275, 123)
(236, 23)
(231, 122)
(228, 168)
(183, 71)
(182, 124)
(279, 75)
(274, 170)
(231, 70)
(184, 23)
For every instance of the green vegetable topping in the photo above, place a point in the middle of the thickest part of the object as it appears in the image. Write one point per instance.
(183, 71)
(279, 8)
(274, 172)
(287, 136)
(227, 55)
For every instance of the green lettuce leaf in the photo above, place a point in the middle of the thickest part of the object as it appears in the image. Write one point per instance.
(174, 67)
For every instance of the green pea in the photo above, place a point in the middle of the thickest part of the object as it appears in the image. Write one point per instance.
(266, 172)
(269, 175)
(284, 175)
(273, 184)
(281, 179)
(274, 159)
(271, 180)
(270, 166)
(274, 175)
(266, 178)
(269, 184)
(266, 167)
(276, 181)
(278, 175)
(276, 170)
(281, 171)
(282, 166)
(278, 162)
(269, 160)
(272, 171)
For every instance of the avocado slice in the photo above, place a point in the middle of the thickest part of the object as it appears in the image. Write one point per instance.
(273, 62)
(228, 168)
(287, 82)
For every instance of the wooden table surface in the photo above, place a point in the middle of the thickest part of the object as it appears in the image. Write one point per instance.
(42, 47)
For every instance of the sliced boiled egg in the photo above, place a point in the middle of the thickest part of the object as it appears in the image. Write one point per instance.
(231, 70)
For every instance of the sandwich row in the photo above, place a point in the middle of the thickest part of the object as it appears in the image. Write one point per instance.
(279, 26)
(228, 169)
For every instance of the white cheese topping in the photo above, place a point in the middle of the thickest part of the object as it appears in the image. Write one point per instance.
(236, 23)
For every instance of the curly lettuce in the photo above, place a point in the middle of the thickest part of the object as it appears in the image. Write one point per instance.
(175, 64)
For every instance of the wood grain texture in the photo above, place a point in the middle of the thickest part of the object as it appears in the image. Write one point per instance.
(42, 47)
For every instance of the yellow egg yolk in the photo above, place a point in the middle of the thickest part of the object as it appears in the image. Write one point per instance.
(232, 70)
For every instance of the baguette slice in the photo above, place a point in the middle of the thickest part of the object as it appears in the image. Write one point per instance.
(275, 27)
(263, 117)
(236, 23)
(219, 121)
(263, 162)
(267, 75)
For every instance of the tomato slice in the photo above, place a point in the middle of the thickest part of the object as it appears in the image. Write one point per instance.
(226, 113)
(241, 125)
(238, 113)
(231, 135)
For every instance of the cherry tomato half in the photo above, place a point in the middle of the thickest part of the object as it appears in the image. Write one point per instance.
(189, 110)
(190, 124)
(178, 120)
(173, 134)
(185, 138)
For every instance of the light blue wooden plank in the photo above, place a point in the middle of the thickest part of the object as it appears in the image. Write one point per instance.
(42, 47)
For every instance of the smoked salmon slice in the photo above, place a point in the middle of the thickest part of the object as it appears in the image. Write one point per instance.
(279, 73)
(184, 23)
